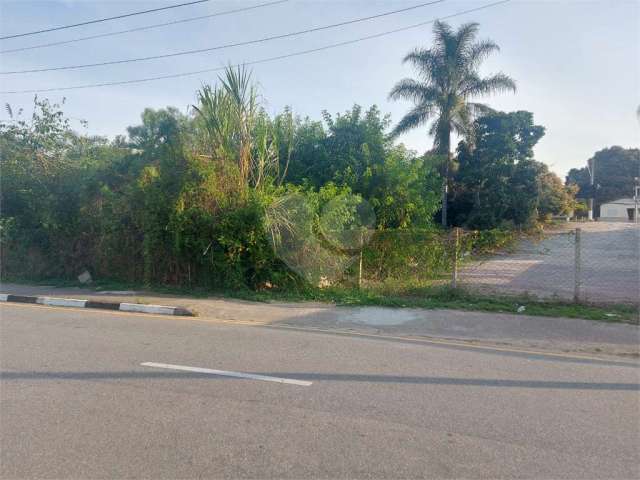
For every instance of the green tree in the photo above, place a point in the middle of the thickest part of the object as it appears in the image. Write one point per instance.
(304, 155)
(615, 170)
(497, 179)
(449, 78)
(555, 198)
(354, 151)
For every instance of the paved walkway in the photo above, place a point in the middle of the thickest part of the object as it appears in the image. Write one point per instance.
(523, 331)
(610, 265)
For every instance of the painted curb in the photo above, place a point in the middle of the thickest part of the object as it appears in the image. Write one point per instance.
(77, 303)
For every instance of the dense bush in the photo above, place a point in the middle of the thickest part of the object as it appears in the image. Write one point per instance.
(407, 254)
(197, 199)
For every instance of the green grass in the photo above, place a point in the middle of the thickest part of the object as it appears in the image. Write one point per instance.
(447, 298)
(399, 296)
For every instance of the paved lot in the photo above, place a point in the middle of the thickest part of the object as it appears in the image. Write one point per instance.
(75, 402)
(610, 267)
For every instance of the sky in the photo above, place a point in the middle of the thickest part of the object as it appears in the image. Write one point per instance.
(576, 63)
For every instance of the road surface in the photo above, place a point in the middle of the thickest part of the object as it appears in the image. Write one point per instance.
(76, 401)
(517, 330)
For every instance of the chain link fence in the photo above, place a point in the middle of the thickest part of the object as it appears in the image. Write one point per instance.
(596, 263)
(541, 268)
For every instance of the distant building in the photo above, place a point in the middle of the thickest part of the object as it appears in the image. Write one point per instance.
(621, 210)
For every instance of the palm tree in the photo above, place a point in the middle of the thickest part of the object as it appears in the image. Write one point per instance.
(448, 78)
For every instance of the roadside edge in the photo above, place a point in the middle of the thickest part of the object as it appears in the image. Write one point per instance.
(78, 303)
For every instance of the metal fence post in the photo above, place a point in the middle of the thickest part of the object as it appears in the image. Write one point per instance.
(360, 260)
(577, 266)
(456, 247)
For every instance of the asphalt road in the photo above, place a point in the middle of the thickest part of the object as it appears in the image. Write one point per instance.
(75, 402)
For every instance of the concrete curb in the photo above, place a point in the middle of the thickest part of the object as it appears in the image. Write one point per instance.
(73, 302)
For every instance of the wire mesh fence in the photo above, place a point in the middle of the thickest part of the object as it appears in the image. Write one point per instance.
(595, 263)
(542, 268)
(608, 263)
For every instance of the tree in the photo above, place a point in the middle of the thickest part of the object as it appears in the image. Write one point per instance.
(614, 174)
(355, 152)
(497, 179)
(555, 197)
(449, 78)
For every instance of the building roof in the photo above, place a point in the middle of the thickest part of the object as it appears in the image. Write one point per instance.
(621, 201)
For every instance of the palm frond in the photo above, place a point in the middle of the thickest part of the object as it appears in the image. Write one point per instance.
(425, 61)
(237, 83)
(464, 38)
(479, 51)
(442, 34)
(467, 32)
(462, 121)
(410, 89)
(494, 84)
(418, 115)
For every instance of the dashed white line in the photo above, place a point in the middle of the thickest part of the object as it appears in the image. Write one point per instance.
(225, 373)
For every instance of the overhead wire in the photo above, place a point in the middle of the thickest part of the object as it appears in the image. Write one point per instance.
(100, 20)
(142, 28)
(255, 62)
(220, 47)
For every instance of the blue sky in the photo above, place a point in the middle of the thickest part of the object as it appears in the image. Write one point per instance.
(576, 63)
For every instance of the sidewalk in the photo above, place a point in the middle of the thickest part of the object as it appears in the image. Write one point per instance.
(521, 331)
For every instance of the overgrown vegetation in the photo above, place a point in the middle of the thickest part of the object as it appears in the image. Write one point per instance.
(194, 199)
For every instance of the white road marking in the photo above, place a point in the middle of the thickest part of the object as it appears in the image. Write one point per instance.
(226, 373)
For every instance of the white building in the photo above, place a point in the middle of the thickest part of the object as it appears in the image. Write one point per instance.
(619, 210)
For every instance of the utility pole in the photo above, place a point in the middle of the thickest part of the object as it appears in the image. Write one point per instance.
(577, 266)
(591, 166)
(445, 189)
(456, 248)
(636, 199)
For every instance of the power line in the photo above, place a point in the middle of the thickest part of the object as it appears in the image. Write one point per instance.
(220, 47)
(99, 20)
(255, 62)
(145, 27)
